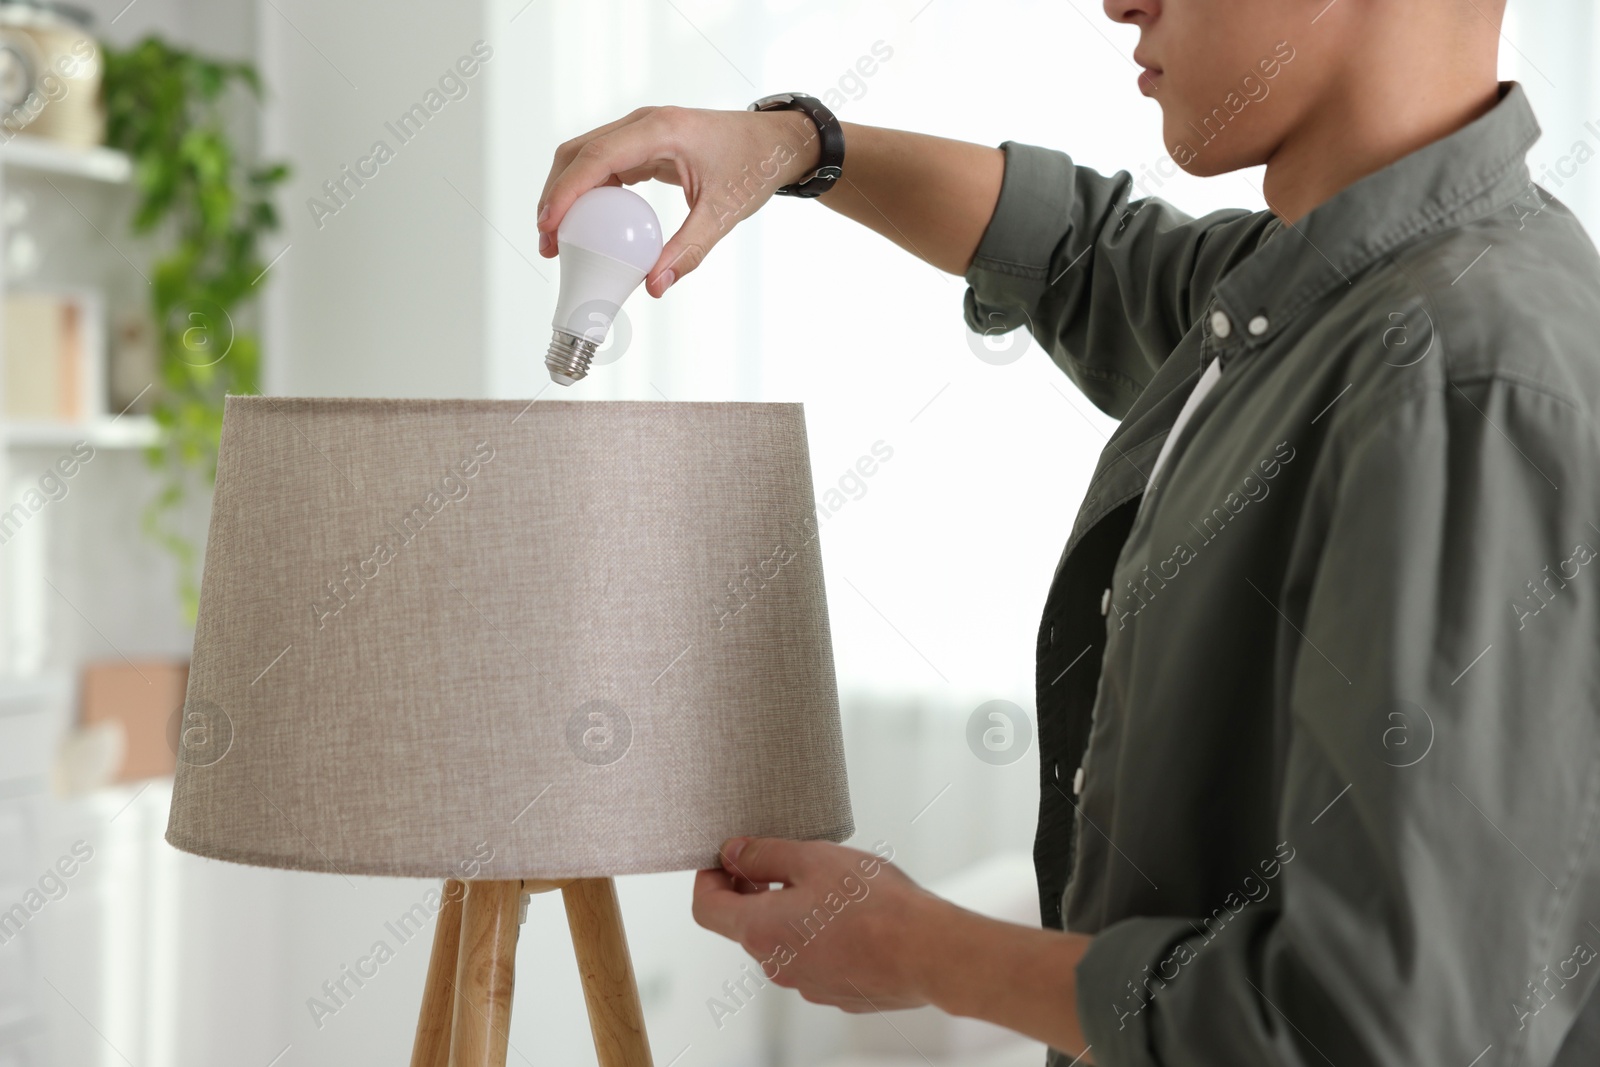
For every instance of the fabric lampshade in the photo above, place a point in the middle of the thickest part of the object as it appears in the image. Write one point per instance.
(475, 638)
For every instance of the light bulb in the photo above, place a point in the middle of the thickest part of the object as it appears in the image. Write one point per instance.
(609, 239)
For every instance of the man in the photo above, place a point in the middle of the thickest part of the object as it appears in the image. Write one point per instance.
(1319, 672)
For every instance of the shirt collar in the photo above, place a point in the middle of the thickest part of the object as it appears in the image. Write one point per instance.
(1468, 173)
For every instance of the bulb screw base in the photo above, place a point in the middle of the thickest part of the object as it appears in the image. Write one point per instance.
(569, 356)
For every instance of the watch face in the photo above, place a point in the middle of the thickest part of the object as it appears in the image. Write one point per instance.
(16, 76)
(775, 100)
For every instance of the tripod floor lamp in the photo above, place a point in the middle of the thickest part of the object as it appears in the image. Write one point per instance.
(546, 644)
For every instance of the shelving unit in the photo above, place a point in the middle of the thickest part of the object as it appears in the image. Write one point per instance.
(97, 163)
(48, 624)
(79, 178)
(126, 431)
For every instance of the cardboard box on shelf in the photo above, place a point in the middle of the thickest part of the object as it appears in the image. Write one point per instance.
(54, 356)
(142, 698)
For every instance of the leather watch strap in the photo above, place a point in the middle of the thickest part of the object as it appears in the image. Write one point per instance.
(830, 166)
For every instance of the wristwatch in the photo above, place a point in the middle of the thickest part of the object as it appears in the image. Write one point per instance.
(831, 166)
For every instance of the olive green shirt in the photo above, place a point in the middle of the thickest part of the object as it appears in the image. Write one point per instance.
(1319, 714)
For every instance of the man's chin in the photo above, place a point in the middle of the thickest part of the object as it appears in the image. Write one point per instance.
(1200, 158)
(1201, 165)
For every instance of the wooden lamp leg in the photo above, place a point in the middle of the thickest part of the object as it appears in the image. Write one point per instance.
(466, 1000)
(615, 1016)
(432, 1046)
(485, 966)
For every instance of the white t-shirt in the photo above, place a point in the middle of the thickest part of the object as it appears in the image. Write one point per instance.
(1208, 378)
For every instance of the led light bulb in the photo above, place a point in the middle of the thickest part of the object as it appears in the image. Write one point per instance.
(609, 239)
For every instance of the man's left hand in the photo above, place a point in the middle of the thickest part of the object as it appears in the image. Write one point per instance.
(842, 928)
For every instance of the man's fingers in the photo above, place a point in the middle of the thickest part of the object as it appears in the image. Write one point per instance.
(568, 149)
(654, 170)
(687, 248)
(617, 152)
(718, 903)
(843, 1001)
(767, 859)
(649, 143)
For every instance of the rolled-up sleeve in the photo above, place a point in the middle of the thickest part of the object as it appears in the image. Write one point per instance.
(1105, 284)
(1440, 797)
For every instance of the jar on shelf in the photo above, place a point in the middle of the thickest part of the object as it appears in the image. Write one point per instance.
(50, 71)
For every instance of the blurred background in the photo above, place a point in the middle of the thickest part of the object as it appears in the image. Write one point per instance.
(177, 221)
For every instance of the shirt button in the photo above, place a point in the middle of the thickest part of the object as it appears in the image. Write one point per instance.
(1258, 326)
(1105, 601)
(1077, 781)
(1220, 324)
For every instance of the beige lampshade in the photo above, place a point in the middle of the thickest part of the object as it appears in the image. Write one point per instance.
(492, 639)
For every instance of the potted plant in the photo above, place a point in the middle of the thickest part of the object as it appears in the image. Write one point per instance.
(209, 208)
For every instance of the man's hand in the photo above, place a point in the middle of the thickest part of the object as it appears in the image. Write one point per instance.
(728, 163)
(848, 928)
(842, 929)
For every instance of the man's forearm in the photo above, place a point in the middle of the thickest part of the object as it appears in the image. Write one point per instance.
(1020, 977)
(931, 196)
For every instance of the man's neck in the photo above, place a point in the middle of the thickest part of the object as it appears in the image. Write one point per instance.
(1354, 134)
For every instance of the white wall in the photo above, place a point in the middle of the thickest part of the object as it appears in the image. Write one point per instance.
(386, 297)
(1550, 49)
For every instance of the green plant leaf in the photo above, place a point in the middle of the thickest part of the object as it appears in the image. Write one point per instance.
(166, 108)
